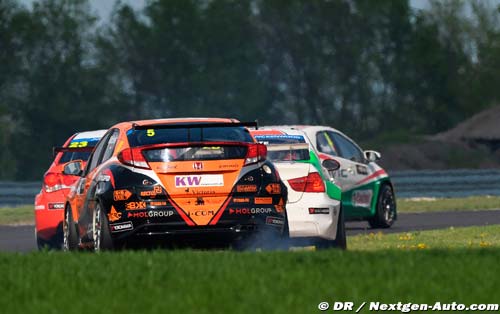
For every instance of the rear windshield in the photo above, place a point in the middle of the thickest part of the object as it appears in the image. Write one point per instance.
(83, 142)
(285, 154)
(186, 135)
(195, 153)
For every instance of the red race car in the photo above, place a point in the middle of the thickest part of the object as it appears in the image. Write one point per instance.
(49, 203)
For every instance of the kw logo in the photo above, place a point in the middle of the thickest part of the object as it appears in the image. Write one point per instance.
(199, 181)
(191, 181)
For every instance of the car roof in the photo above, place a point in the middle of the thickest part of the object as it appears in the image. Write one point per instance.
(265, 130)
(97, 134)
(173, 121)
(310, 129)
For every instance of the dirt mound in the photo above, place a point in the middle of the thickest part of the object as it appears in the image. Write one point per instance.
(482, 126)
(437, 155)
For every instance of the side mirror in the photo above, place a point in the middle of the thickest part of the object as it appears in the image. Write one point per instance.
(372, 155)
(330, 164)
(73, 168)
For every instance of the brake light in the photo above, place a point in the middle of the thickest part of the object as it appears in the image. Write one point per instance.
(52, 182)
(133, 157)
(313, 183)
(255, 153)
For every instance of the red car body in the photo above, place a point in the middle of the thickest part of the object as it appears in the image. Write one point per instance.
(49, 203)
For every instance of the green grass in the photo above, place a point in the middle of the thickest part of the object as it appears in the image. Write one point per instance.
(450, 238)
(17, 215)
(231, 282)
(448, 204)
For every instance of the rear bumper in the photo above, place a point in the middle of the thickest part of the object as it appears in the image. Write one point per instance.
(49, 214)
(199, 236)
(322, 223)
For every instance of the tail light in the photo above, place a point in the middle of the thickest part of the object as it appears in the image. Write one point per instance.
(133, 157)
(57, 181)
(255, 153)
(312, 183)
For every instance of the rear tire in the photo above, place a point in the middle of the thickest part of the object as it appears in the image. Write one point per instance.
(101, 234)
(70, 238)
(386, 208)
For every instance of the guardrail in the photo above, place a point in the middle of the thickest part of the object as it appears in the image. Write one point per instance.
(18, 193)
(446, 183)
(421, 183)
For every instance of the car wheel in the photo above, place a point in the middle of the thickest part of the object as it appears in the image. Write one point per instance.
(340, 241)
(386, 208)
(70, 239)
(100, 230)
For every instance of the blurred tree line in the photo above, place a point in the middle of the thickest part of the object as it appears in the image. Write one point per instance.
(366, 67)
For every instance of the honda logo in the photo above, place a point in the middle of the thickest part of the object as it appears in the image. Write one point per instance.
(198, 165)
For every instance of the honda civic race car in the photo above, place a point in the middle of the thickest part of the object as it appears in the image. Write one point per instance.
(367, 191)
(182, 181)
(314, 210)
(49, 203)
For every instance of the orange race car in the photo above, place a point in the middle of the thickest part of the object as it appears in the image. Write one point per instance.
(49, 203)
(195, 181)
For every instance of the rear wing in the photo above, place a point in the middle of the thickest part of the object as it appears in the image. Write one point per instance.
(59, 149)
(288, 152)
(192, 125)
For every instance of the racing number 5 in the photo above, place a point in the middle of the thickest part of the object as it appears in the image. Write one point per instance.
(150, 132)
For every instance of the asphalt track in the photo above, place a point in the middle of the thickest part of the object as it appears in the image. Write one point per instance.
(21, 238)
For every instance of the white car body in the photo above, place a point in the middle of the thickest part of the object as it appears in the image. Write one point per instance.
(302, 223)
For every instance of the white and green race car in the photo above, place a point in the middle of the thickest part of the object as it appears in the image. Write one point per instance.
(367, 191)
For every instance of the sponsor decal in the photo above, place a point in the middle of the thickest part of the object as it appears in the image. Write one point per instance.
(39, 207)
(362, 170)
(316, 211)
(202, 192)
(121, 195)
(280, 208)
(135, 205)
(123, 226)
(248, 179)
(248, 188)
(274, 221)
(56, 205)
(152, 193)
(241, 200)
(162, 168)
(199, 201)
(151, 214)
(199, 180)
(249, 211)
(263, 200)
(362, 198)
(197, 165)
(273, 188)
(267, 138)
(229, 166)
(114, 215)
(201, 213)
(146, 182)
(158, 203)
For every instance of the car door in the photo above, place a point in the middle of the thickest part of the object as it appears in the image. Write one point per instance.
(86, 185)
(356, 198)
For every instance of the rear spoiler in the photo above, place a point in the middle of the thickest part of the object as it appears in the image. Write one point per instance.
(192, 125)
(286, 147)
(59, 149)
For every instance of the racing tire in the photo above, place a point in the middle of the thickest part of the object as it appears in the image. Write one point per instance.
(340, 241)
(386, 208)
(100, 230)
(70, 238)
